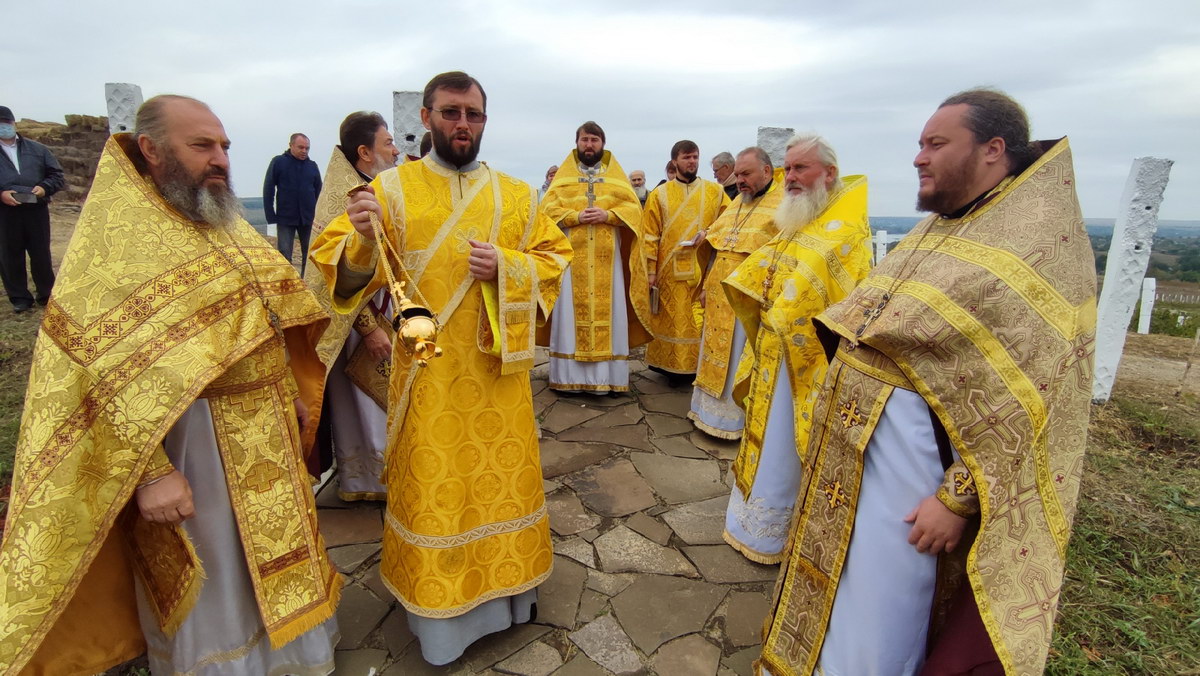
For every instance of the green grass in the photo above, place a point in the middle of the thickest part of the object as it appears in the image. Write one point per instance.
(17, 334)
(1131, 601)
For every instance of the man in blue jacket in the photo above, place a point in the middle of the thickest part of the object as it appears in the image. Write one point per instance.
(290, 196)
(29, 175)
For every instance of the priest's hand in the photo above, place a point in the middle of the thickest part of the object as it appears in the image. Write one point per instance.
(652, 278)
(935, 529)
(482, 261)
(7, 198)
(359, 209)
(168, 500)
(593, 216)
(378, 345)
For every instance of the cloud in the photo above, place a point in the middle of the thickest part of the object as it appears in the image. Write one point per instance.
(1122, 79)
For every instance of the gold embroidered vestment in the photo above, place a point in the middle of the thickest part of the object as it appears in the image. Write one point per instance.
(675, 212)
(991, 319)
(149, 314)
(594, 246)
(815, 268)
(466, 519)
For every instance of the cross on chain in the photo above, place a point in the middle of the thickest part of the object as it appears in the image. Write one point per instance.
(873, 314)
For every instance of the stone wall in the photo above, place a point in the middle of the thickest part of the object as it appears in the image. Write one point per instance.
(77, 145)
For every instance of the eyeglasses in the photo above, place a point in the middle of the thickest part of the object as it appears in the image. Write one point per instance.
(455, 114)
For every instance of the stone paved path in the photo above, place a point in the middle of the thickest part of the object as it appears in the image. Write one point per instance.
(642, 581)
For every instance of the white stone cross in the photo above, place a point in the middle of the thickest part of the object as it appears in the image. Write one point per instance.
(123, 100)
(406, 122)
(1128, 256)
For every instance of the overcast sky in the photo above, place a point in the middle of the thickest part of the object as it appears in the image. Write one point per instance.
(1121, 78)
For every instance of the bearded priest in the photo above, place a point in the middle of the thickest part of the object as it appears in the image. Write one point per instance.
(741, 230)
(948, 439)
(667, 267)
(160, 502)
(593, 325)
(820, 254)
(466, 537)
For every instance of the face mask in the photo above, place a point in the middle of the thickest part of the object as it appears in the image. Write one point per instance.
(7, 131)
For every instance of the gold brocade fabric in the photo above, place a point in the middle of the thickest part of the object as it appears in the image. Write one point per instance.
(815, 268)
(675, 213)
(740, 230)
(340, 178)
(591, 274)
(992, 320)
(466, 518)
(148, 313)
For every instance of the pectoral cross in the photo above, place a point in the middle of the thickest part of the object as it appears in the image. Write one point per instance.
(591, 179)
(873, 314)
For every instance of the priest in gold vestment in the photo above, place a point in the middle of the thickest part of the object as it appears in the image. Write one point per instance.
(466, 535)
(667, 264)
(948, 440)
(353, 414)
(593, 325)
(820, 255)
(741, 229)
(160, 502)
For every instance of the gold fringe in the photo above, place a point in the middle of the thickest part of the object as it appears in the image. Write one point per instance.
(755, 556)
(171, 624)
(295, 628)
(713, 431)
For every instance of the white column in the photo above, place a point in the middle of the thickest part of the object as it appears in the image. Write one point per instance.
(881, 242)
(406, 122)
(774, 141)
(1128, 257)
(123, 100)
(1148, 289)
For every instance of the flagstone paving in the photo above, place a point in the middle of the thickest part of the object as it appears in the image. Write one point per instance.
(643, 582)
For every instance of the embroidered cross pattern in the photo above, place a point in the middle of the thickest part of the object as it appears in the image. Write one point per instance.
(850, 414)
(964, 484)
(835, 495)
(261, 476)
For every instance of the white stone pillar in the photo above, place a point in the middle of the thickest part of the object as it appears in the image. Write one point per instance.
(1128, 257)
(774, 141)
(1149, 285)
(123, 100)
(406, 122)
(881, 242)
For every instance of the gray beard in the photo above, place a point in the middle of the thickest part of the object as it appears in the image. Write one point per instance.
(640, 191)
(220, 209)
(796, 211)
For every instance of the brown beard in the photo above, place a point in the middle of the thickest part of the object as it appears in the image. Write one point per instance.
(446, 151)
(953, 189)
(589, 158)
(215, 205)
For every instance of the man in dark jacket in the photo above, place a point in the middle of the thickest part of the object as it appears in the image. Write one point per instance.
(290, 196)
(29, 175)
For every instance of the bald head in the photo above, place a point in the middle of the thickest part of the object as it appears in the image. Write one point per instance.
(637, 178)
(186, 152)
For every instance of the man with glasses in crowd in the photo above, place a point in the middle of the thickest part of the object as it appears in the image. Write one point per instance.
(467, 538)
